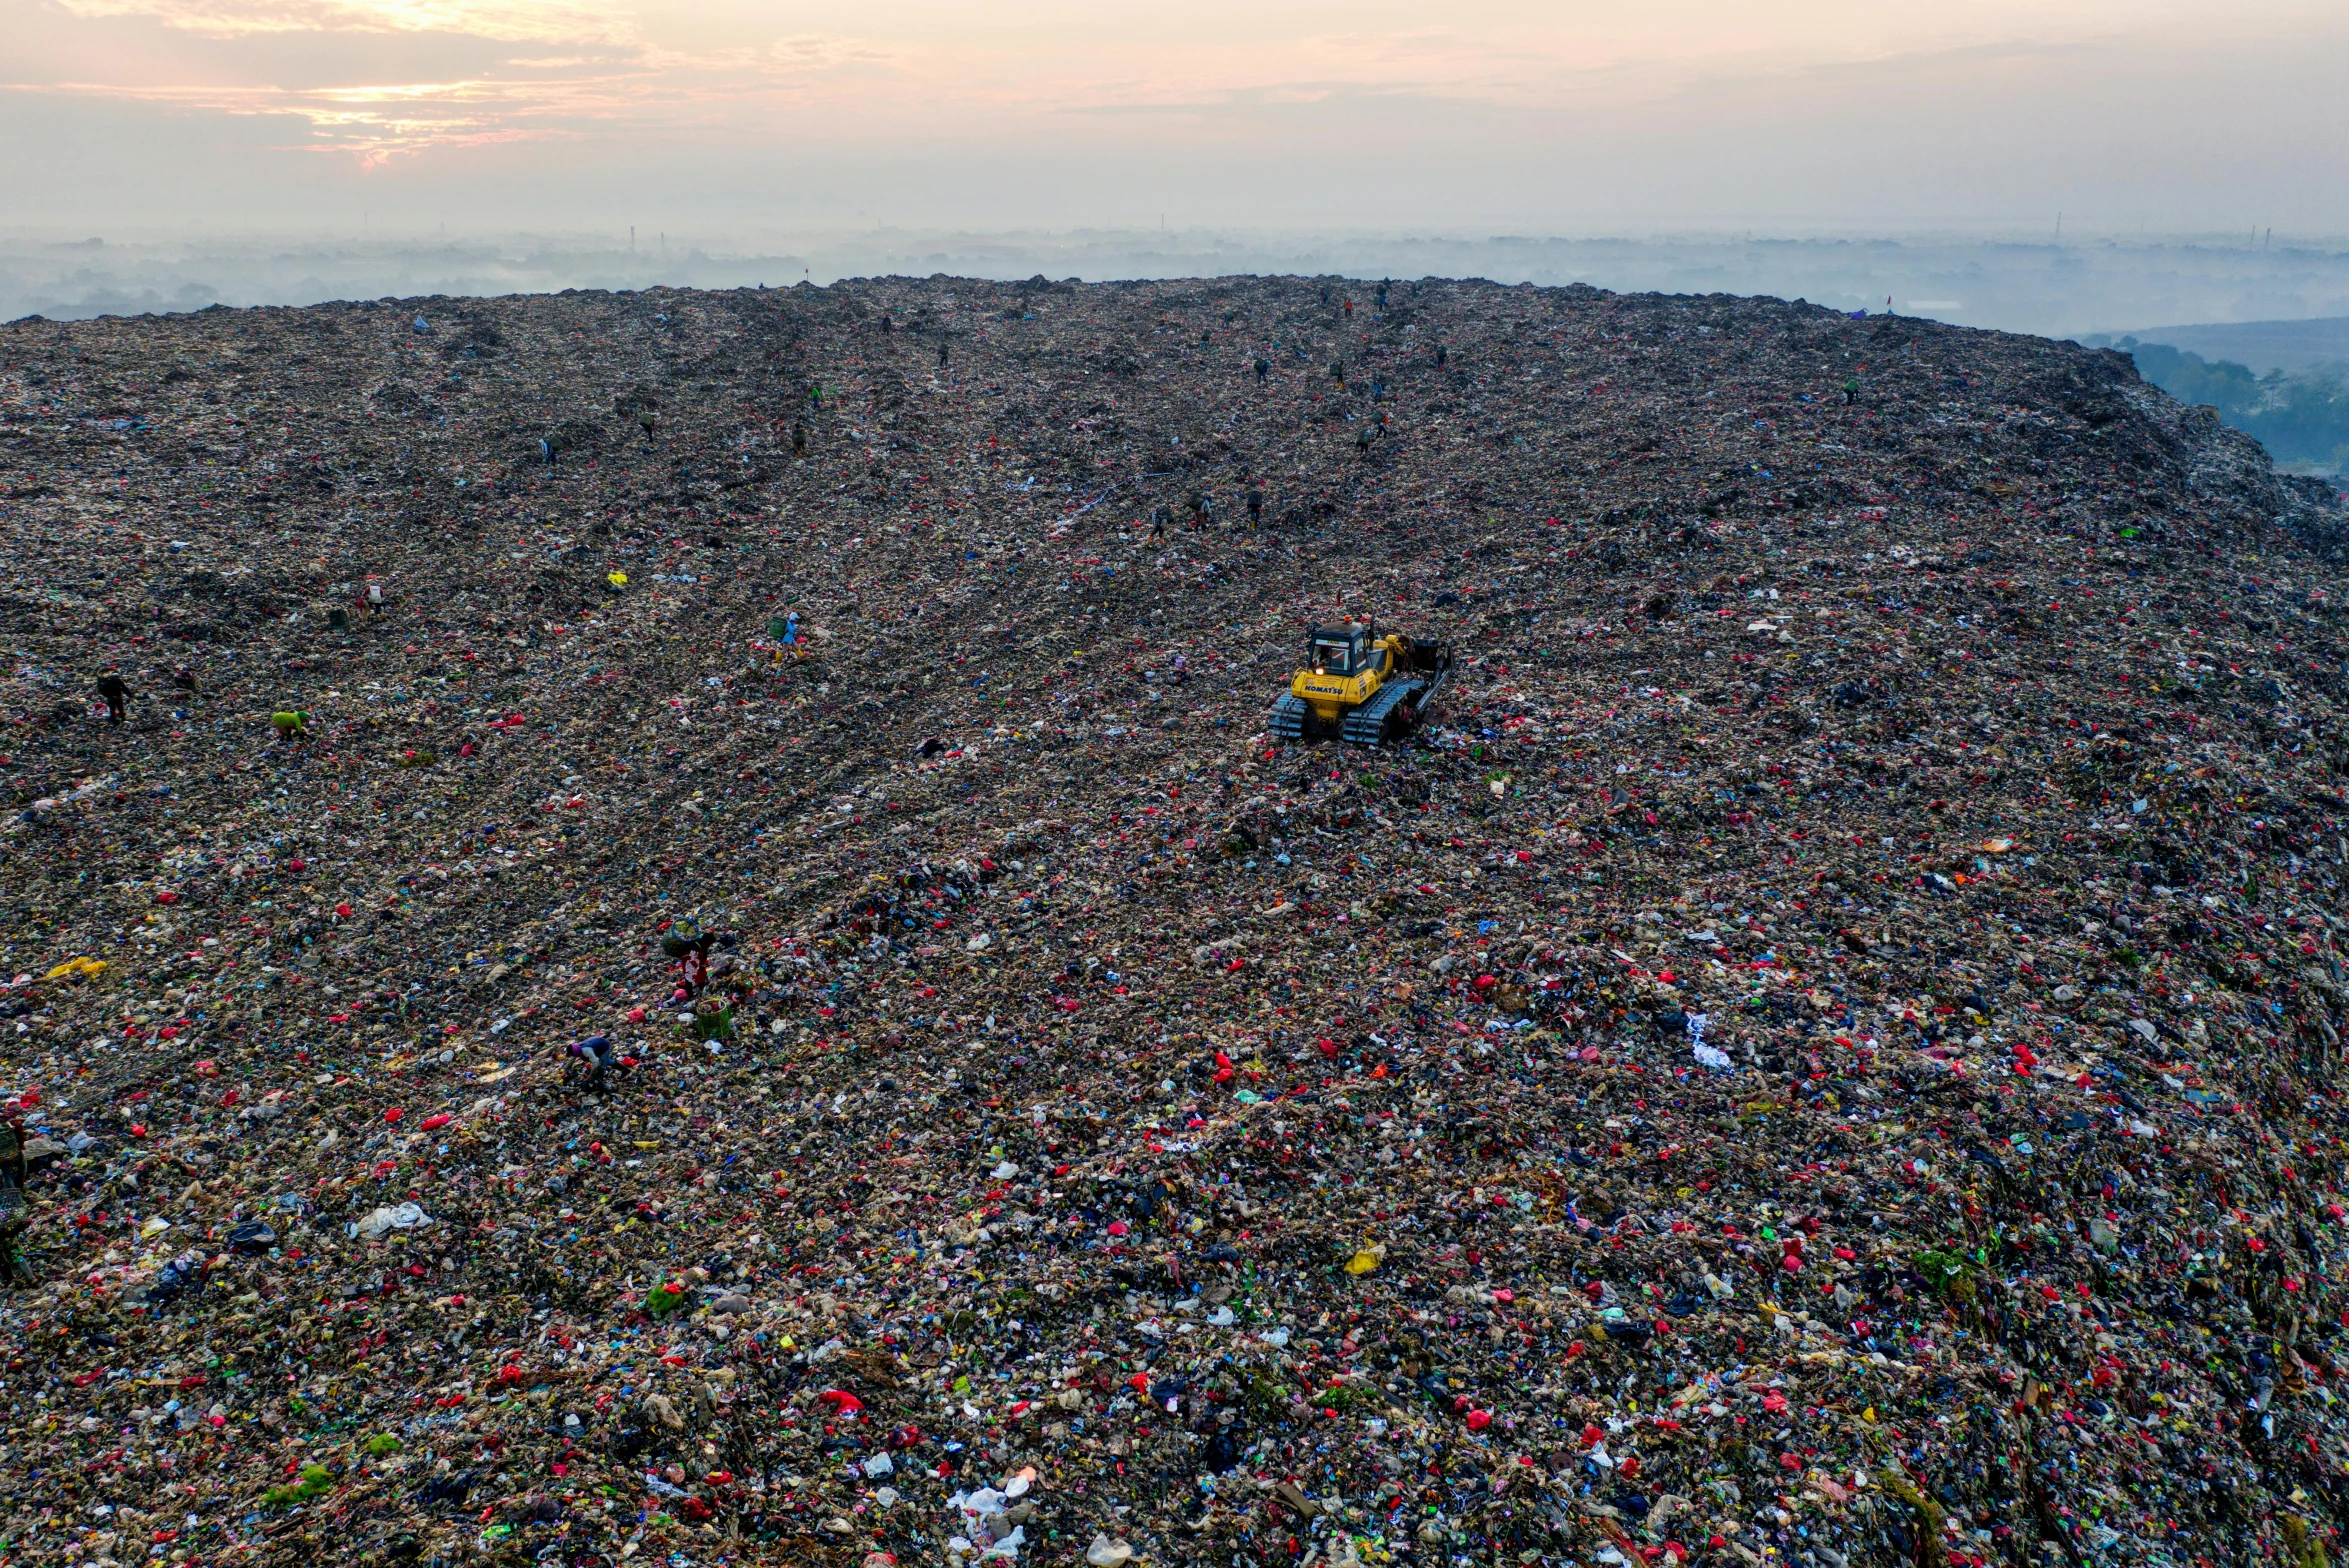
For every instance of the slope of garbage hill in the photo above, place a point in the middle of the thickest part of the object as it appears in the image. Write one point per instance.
(1822, 1049)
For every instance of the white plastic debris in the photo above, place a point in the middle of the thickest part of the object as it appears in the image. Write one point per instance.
(382, 1221)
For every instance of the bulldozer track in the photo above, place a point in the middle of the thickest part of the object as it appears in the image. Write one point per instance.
(1289, 716)
(1367, 725)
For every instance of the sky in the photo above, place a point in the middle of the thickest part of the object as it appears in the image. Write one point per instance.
(1993, 117)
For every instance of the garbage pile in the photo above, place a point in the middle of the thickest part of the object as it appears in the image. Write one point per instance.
(666, 927)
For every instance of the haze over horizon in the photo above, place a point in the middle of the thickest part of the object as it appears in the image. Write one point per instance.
(2067, 290)
(1986, 118)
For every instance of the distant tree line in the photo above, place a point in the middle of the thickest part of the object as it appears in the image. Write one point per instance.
(2300, 419)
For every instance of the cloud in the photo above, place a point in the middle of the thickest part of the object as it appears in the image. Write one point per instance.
(376, 122)
(534, 21)
(484, 71)
(823, 51)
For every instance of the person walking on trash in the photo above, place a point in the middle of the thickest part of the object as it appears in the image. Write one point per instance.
(689, 945)
(15, 1213)
(117, 695)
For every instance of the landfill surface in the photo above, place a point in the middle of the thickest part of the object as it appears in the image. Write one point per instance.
(663, 926)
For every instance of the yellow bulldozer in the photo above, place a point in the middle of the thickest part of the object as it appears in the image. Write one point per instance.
(1358, 686)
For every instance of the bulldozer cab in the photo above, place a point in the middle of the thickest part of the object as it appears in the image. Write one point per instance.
(1339, 650)
(1360, 686)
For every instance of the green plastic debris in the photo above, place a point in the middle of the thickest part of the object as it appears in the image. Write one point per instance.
(1947, 1272)
(314, 1481)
